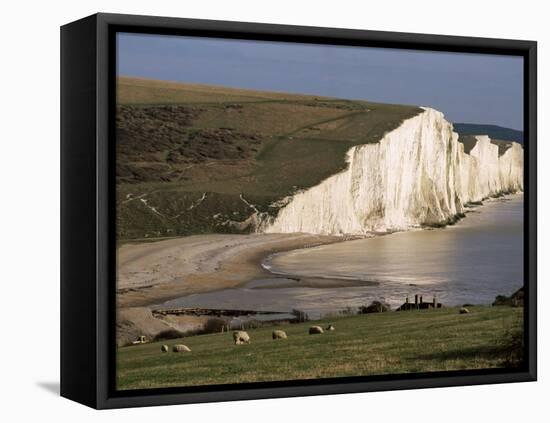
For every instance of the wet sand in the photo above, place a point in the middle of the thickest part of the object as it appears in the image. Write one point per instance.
(154, 272)
(469, 263)
(150, 273)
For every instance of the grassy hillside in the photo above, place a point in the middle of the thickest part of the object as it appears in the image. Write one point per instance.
(199, 159)
(373, 344)
(493, 131)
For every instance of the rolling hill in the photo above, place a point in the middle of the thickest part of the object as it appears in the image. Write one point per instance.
(493, 131)
(200, 159)
(197, 159)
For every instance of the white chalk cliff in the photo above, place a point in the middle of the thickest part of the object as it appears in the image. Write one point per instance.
(417, 174)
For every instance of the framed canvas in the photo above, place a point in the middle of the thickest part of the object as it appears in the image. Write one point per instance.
(258, 211)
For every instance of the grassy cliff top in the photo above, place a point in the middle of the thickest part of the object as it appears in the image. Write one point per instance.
(371, 344)
(176, 142)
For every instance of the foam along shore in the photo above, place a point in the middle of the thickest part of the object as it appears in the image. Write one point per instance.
(471, 262)
(151, 273)
(418, 174)
(186, 263)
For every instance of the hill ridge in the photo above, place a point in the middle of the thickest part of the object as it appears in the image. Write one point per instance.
(493, 131)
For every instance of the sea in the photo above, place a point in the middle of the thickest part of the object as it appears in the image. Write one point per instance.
(470, 262)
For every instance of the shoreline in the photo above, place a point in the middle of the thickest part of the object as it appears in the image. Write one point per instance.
(210, 267)
(223, 261)
(461, 218)
(155, 272)
(151, 273)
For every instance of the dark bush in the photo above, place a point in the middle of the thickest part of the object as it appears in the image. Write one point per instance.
(168, 334)
(514, 300)
(374, 307)
(514, 347)
(213, 325)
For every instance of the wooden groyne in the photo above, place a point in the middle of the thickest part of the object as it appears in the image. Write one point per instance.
(419, 304)
(197, 311)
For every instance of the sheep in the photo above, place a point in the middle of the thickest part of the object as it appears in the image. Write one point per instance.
(141, 340)
(164, 348)
(463, 310)
(278, 334)
(181, 348)
(315, 329)
(241, 337)
(330, 327)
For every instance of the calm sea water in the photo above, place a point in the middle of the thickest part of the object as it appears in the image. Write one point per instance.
(471, 262)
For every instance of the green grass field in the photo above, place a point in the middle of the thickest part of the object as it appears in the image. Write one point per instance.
(176, 142)
(373, 344)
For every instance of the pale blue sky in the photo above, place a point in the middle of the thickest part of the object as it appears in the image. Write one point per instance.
(472, 88)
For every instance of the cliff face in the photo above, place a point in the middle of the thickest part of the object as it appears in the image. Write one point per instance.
(511, 169)
(417, 174)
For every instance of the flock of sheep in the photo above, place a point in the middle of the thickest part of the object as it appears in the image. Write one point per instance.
(242, 337)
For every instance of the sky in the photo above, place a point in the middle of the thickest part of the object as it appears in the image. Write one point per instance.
(467, 88)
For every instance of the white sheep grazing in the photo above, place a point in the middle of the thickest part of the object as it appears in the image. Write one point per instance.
(181, 348)
(241, 337)
(278, 334)
(315, 329)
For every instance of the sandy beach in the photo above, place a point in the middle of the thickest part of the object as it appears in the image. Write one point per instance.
(150, 273)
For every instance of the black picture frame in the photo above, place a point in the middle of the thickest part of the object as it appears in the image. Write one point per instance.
(87, 208)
